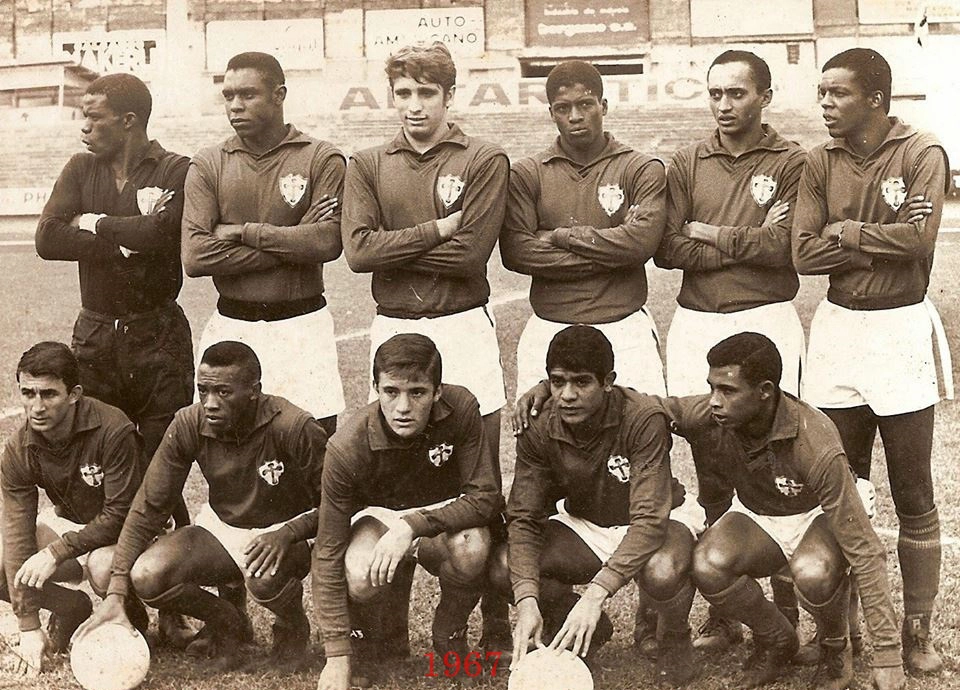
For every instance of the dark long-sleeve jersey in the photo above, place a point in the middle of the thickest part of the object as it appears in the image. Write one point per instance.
(800, 464)
(881, 262)
(591, 269)
(110, 283)
(751, 266)
(368, 465)
(278, 258)
(91, 480)
(267, 475)
(393, 198)
(619, 477)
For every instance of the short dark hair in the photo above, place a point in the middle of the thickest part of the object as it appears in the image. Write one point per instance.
(228, 353)
(427, 64)
(758, 66)
(125, 93)
(267, 65)
(571, 72)
(581, 348)
(408, 354)
(755, 354)
(870, 70)
(50, 358)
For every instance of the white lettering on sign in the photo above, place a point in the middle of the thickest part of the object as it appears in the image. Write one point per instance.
(106, 52)
(460, 28)
(23, 201)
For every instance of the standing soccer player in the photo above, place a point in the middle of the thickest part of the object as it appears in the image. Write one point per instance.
(867, 215)
(583, 218)
(88, 458)
(422, 213)
(261, 217)
(409, 477)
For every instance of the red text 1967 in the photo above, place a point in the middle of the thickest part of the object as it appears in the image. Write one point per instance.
(453, 665)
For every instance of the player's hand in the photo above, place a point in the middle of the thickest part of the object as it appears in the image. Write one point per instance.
(36, 570)
(161, 203)
(265, 552)
(529, 406)
(916, 209)
(577, 630)
(229, 233)
(335, 674)
(449, 225)
(33, 643)
(702, 232)
(87, 221)
(110, 611)
(832, 232)
(322, 210)
(528, 628)
(776, 213)
(889, 678)
(389, 551)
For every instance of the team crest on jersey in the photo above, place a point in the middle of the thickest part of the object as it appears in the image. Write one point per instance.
(292, 187)
(449, 189)
(619, 467)
(894, 192)
(610, 197)
(271, 471)
(92, 474)
(788, 487)
(762, 189)
(146, 198)
(438, 455)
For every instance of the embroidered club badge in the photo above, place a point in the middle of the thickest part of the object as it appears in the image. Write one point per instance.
(610, 197)
(787, 486)
(438, 455)
(619, 467)
(271, 471)
(146, 198)
(92, 474)
(762, 189)
(894, 192)
(449, 189)
(292, 187)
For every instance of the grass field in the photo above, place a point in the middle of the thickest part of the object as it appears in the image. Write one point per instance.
(42, 300)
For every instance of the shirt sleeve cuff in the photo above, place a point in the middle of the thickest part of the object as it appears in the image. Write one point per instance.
(60, 551)
(119, 584)
(886, 657)
(609, 580)
(419, 524)
(29, 621)
(250, 235)
(850, 239)
(524, 589)
(338, 646)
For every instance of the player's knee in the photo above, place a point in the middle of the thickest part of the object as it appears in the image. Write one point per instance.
(266, 586)
(664, 574)
(469, 551)
(98, 569)
(356, 566)
(711, 565)
(498, 569)
(151, 575)
(817, 575)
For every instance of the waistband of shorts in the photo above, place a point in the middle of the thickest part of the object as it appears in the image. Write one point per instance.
(406, 315)
(872, 302)
(127, 318)
(269, 311)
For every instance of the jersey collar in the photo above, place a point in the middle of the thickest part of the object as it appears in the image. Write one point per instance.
(771, 141)
(379, 435)
(293, 137)
(613, 148)
(454, 136)
(86, 417)
(898, 130)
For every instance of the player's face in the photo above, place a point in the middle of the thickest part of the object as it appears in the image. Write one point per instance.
(734, 401)
(579, 394)
(47, 403)
(846, 106)
(103, 131)
(422, 109)
(253, 106)
(735, 101)
(578, 114)
(227, 395)
(406, 402)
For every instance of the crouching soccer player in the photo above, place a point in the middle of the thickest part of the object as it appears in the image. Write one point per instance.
(262, 458)
(794, 501)
(88, 458)
(410, 475)
(605, 452)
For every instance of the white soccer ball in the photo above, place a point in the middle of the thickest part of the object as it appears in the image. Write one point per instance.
(544, 669)
(110, 657)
